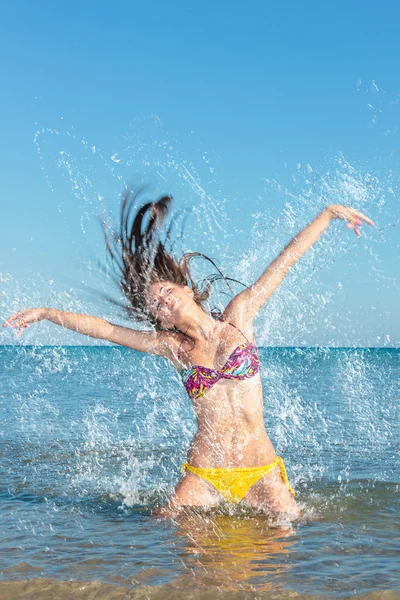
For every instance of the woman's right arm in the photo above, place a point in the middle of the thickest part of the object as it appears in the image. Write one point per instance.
(144, 341)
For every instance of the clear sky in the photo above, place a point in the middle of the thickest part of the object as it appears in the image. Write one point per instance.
(254, 115)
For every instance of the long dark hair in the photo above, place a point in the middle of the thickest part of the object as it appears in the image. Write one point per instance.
(139, 257)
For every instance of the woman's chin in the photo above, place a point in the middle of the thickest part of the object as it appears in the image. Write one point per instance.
(170, 321)
(167, 323)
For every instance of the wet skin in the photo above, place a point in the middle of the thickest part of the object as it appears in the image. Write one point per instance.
(231, 431)
(229, 415)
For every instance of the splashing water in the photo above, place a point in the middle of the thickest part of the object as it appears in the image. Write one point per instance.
(94, 437)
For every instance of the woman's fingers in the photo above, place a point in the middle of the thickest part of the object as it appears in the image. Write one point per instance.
(21, 330)
(363, 217)
(356, 218)
(353, 226)
(17, 320)
(22, 317)
(11, 319)
(350, 214)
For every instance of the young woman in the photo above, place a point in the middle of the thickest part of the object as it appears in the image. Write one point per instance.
(231, 457)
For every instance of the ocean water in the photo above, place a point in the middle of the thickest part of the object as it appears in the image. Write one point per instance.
(92, 438)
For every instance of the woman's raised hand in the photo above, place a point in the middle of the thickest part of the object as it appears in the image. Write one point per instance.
(354, 217)
(22, 318)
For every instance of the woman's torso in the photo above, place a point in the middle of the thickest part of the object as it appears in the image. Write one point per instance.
(229, 406)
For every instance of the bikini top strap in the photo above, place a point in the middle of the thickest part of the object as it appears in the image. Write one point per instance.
(240, 331)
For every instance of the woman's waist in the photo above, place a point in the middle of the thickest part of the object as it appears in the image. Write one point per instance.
(229, 409)
(238, 449)
(224, 428)
(226, 422)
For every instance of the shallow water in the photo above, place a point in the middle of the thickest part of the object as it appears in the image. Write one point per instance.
(91, 442)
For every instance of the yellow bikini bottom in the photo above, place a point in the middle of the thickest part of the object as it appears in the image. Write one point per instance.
(234, 483)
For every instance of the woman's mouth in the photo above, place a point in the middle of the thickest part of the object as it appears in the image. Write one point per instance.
(169, 305)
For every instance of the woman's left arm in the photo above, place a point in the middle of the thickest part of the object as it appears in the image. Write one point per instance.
(248, 302)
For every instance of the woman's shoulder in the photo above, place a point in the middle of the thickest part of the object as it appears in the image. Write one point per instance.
(237, 317)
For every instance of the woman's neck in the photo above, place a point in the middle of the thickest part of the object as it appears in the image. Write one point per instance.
(200, 326)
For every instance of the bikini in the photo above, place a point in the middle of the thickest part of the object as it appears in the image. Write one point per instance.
(243, 363)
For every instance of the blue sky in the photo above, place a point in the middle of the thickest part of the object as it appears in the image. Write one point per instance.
(239, 107)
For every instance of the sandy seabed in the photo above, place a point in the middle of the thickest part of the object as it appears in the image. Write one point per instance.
(50, 589)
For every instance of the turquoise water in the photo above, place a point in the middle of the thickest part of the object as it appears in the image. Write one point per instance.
(92, 438)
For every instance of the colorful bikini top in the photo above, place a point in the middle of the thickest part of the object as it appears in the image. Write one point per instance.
(242, 363)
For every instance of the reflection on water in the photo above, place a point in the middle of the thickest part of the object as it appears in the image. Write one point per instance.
(240, 552)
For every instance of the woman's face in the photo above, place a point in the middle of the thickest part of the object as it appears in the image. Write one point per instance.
(167, 302)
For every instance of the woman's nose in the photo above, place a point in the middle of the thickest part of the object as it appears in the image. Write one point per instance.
(163, 302)
(167, 301)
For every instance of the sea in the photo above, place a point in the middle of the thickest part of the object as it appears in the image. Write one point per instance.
(92, 439)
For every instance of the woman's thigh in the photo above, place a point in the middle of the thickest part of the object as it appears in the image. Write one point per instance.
(192, 490)
(270, 493)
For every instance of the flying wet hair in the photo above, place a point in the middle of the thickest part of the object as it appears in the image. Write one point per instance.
(139, 257)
